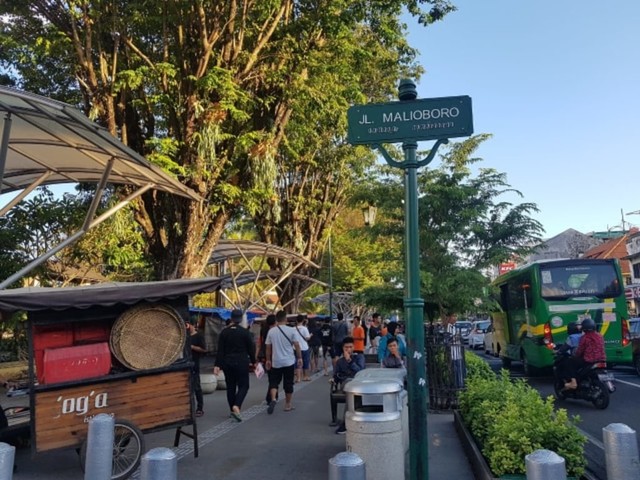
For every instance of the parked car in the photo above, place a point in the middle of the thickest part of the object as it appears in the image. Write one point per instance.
(476, 337)
(463, 329)
(634, 333)
(634, 328)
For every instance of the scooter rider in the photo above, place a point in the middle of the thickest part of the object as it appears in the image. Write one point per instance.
(590, 350)
(566, 350)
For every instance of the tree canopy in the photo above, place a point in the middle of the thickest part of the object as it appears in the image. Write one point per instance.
(468, 224)
(243, 101)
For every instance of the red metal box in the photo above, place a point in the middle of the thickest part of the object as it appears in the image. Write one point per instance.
(75, 363)
(52, 336)
(90, 332)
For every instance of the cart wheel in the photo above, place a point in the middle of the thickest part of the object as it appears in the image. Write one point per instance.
(128, 446)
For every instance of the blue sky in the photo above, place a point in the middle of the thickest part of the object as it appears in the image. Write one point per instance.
(557, 83)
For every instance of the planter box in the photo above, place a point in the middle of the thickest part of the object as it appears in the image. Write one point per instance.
(479, 465)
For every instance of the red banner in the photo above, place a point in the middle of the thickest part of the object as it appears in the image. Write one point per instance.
(506, 267)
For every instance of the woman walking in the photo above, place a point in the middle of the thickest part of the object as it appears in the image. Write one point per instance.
(236, 353)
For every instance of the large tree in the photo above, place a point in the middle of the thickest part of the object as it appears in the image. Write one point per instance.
(241, 100)
(469, 221)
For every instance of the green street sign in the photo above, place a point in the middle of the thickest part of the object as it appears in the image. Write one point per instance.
(410, 120)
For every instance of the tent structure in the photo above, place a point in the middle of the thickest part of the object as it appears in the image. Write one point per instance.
(46, 142)
(245, 262)
(32, 299)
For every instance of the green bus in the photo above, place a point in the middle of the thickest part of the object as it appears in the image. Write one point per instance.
(537, 302)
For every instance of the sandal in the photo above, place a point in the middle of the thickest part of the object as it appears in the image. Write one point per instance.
(236, 416)
(199, 413)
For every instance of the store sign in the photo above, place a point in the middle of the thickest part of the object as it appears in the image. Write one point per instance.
(633, 245)
(506, 267)
(632, 292)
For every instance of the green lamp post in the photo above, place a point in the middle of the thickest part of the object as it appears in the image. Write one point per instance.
(408, 121)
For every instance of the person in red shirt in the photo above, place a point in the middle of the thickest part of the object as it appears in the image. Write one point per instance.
(358, 335)
(590, 350)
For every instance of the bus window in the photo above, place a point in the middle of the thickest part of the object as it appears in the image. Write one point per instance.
(563, 282)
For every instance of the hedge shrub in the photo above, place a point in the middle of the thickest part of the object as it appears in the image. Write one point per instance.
(510, 420)
(477, 367)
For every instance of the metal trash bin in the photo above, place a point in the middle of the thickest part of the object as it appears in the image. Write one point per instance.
(374, 426)
(399, 375)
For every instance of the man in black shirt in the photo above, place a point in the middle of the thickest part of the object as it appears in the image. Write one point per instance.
(236, 353)
(326, 336)
(198, 348)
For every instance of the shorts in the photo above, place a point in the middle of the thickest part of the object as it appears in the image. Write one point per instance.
(336, 350)
(315, 350)
(306, 359)
(284, 374)
(326, 350)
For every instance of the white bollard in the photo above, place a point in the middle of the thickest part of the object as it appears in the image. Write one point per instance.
(621, 452)
(347, 466)
(99, 461)
(159, 464)
(7, 457)
(545, 465)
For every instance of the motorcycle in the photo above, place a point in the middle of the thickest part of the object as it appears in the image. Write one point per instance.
(595, 384)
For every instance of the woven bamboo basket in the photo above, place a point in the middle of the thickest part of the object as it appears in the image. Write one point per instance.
(148, 336)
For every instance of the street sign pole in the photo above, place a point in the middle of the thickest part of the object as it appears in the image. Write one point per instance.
(409, 121)
(414, 313)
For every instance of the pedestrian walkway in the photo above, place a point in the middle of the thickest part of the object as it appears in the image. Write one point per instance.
(284, 445)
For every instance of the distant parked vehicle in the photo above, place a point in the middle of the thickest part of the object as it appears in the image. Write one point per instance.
(463, 329)
(476, 337)
(634, 331)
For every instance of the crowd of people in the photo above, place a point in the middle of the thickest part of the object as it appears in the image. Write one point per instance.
(291, 353)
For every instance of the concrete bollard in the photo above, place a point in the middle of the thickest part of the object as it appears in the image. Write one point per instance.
(99, 461)
(347, 466)
(545, 465)
(7, 457)
(159, 464)
(621, 452)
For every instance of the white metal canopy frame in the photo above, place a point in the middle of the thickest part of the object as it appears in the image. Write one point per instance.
(46, 142)
(244, 263)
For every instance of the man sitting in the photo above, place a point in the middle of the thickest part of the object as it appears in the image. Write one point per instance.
(347, 366)
(393, 358)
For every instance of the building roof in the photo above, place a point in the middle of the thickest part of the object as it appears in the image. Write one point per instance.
(614, 248)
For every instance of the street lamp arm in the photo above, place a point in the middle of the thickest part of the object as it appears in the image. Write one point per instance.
(432, 153)
(386, 156)
(393, 163)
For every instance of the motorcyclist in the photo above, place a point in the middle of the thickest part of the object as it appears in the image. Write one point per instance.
(590, 350)
(566, 350)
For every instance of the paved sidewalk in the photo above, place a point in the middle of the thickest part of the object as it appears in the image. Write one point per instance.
(295, 444)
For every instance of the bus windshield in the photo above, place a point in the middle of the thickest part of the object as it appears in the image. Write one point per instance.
(562, 282)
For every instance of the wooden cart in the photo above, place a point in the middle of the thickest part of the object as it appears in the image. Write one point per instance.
(140, 401)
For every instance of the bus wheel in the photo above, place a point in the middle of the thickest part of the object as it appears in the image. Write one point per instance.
(506, 362)
(636, 363)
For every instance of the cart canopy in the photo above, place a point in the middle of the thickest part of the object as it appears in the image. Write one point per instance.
(33, 299)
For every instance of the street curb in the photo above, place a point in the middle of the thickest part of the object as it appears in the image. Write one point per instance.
(479, 465)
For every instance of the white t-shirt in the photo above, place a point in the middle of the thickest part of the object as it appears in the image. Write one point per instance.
(282, 352)
(303, 332)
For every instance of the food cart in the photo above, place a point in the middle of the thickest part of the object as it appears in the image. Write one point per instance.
(115, 348)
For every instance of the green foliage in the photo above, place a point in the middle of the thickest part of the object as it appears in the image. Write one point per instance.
(510, 420)
(477, 367)
(244, 105)
(466, 226)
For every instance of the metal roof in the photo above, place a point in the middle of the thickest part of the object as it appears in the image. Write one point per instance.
(50, 142)
(227, 249)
